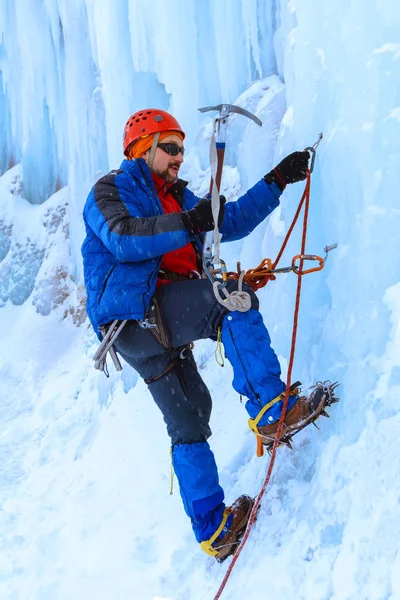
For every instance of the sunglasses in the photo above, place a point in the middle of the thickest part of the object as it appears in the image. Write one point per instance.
(171, 148)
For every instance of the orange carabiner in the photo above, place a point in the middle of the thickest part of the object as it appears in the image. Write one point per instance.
(307, 257)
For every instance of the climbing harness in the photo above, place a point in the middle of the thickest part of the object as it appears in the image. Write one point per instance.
(154, 322)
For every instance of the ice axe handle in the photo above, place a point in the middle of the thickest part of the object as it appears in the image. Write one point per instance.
(220, 164)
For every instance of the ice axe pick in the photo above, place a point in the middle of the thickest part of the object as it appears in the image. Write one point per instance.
(220, 129)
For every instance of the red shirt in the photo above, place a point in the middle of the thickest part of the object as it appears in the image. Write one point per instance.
(182, 261)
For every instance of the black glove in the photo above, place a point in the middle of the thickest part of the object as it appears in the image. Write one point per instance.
(291, 169)
(200, 218)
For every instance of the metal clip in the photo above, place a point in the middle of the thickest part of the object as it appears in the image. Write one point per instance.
(148, 323)
(283, 270)
(313, 149)
(303, 257)
(321, 261)
(209, 271)
(327, 249)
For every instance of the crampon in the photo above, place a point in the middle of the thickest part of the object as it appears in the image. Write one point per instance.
(232, 541)
(306, 411)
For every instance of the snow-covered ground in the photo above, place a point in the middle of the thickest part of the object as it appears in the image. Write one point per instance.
(85, 504)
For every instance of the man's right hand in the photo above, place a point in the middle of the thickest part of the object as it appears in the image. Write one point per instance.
(200, 218)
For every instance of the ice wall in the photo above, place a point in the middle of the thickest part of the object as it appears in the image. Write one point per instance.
(342, 70)
(343, 80)
(72, 71)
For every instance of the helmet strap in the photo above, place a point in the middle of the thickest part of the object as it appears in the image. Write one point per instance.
(153, 149)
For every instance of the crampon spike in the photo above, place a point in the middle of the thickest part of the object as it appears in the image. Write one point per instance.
(322, 395)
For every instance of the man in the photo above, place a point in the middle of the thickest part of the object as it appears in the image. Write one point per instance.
(142, 263)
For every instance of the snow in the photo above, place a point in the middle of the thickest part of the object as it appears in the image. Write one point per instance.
(85, 470)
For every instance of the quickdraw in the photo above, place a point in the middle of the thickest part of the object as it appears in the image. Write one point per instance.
(265, 271)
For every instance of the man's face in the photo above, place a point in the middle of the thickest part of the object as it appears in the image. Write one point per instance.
(165, 165)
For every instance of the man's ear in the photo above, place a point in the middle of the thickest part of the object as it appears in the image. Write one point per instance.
(145, 156)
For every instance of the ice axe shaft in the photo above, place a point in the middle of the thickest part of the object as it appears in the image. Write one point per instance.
(221, 126)
(220, 164)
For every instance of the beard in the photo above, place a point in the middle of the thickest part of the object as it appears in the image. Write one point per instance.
(166, 175)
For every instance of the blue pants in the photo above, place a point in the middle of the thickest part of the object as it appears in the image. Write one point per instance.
(256, 369)
(190, 312)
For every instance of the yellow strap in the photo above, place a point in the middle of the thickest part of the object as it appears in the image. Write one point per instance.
(254, 422)
(207, 544)
(219, 356)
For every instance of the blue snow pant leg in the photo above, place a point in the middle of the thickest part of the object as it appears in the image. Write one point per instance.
(202, 496)
(185, 403)
(257, 373)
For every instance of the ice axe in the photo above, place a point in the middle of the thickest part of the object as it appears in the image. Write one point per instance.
(217, 163)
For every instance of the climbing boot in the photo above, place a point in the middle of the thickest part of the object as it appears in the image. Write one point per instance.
(306, 410)
(227, 537)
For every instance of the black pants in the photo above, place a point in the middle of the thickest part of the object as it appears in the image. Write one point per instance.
(190, 312)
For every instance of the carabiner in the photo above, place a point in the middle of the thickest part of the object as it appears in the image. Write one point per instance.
(148, 323)
(307, 257)
(313, 150)
(207, 264)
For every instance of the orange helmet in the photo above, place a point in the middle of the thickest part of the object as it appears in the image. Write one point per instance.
(145, 122)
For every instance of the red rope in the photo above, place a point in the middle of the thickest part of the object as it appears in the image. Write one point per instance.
(259, 276)
(305, 199)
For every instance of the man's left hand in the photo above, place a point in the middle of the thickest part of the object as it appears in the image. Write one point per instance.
(291, 169)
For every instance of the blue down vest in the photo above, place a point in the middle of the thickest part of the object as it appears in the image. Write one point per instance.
(127, 234)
